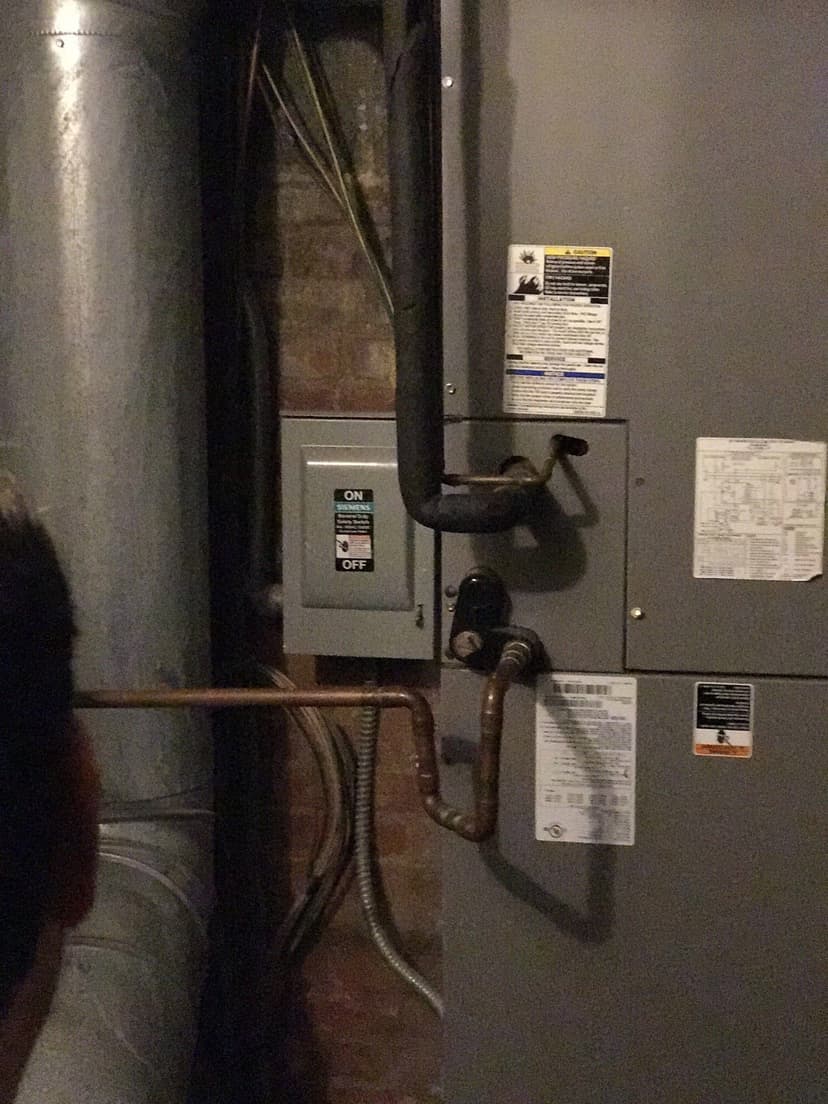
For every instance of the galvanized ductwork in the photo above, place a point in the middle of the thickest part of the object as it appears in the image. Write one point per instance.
(101, 419)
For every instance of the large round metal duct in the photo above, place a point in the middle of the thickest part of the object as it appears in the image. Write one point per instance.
(102, 420)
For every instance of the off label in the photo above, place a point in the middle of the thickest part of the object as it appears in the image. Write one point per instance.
(724, 719)
(354, 529)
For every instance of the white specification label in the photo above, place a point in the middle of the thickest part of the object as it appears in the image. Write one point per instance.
(557, 330)
(760, 509)
(585, 759)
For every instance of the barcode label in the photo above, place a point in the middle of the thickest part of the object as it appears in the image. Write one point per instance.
(585, 758)
(599, 689)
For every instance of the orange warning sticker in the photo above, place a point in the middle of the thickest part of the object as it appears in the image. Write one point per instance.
(723, 749)
(724, 719)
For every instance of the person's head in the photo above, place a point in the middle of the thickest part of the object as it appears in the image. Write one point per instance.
(48, 783)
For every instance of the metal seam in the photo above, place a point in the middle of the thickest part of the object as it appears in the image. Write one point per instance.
(76, 34)
(161, 879)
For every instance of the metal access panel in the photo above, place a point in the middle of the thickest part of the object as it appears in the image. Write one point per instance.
(564, 569)
(688, 968)
(358, 573)
(685, 137)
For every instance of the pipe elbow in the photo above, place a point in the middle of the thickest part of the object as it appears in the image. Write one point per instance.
(468, 513)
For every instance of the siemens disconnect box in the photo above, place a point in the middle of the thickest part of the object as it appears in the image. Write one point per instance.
(633, 193)
(358, 573)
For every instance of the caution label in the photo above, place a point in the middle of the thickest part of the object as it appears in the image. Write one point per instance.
(724, 719)
(557, 330)
(354, 529)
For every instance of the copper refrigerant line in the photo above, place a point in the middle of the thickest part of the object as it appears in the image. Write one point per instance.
(515, 658)
(475, 825)
(520, 472)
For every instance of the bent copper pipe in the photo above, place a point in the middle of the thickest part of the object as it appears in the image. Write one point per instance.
(523, 474)
(475, 826)
(480, 823)
(389, 697)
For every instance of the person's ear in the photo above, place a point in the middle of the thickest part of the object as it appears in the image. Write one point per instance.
(76, 851)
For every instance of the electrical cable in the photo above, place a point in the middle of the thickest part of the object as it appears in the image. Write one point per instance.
(365, 865)
(301, 137)
(320, 739)
(345, 178)
(343, 189)
(261, 537)
(247, 109)
(332, 854)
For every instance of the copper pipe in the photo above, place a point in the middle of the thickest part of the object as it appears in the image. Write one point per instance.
(479, 824)
(474, 826)
(538, 479)
(522, 473)
(220, 697)
(389, 697)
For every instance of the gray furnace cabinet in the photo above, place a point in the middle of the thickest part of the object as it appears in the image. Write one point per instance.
(665, 162)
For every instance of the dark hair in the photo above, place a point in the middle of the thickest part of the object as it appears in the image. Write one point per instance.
(36, 632)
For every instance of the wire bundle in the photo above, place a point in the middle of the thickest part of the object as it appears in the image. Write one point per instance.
(331, 859)
(331, 167)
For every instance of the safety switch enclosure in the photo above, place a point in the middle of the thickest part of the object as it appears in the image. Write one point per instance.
(358, 572)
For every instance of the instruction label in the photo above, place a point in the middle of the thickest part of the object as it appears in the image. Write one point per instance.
(585, 759)
(354, 529)
(724, 719)
(760, 509)
(557, 330)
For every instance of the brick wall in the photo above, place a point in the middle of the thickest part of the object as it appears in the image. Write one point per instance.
(358, 1035)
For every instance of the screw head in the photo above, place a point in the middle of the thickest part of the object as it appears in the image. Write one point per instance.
(451, 607)
(450, 591)
(466, 644)
(451, 389)
(637, 613)
(447, 81)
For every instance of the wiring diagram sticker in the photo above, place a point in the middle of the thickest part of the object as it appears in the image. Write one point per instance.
(759, 509)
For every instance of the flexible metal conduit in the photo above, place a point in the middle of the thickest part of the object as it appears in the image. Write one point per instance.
(410, 56)
(369, 725)
(102, 422)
